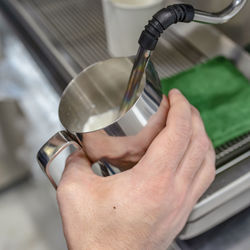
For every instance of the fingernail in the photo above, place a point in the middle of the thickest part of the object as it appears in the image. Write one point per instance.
(164, 97)
(174, 91)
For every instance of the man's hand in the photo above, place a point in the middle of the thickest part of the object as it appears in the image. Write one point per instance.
(147, 206)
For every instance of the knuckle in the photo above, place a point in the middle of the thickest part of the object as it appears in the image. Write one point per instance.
(212, 173)
(185, 107)
(66, 189)
(204, 143)
(180, 195)
(182, 118)
(197, 121)
(213, 153)
(184, 129)
(195, 111)
(137, 151)
(157, 188)
(72, 158)
(176, 97)
(213, 158)
(69, 160)
(59, 193)
(199, 131)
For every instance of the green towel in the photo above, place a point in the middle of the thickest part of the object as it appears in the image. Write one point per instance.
(221, 94)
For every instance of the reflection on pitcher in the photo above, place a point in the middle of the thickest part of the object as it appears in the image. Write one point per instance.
(124, 152)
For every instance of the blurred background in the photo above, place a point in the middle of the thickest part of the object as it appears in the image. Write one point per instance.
(28, 106)
(43, 45)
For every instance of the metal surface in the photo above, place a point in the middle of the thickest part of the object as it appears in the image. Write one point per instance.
(51, 149)
(222, 16)
(135, 78)
(223, 199)
(230, 150)
(92, 111)
(60, 25)
(237, 27)
(228, 208)
(233, 234)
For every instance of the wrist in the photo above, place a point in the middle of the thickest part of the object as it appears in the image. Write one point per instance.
(112, 241)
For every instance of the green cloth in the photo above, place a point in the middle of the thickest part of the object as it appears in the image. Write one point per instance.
(221, 94)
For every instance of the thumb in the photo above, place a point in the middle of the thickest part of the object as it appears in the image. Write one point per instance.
(77, 168)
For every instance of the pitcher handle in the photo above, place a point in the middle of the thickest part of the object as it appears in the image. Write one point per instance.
(54, 146)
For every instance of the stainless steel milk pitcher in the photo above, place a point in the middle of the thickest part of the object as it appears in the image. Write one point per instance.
(90, 110)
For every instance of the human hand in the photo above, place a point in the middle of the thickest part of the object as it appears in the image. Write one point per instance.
(125, 152)
(147, 206)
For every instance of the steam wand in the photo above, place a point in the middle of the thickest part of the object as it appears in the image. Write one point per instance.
(156, 26)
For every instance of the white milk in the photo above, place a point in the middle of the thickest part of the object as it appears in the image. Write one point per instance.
(100, 121)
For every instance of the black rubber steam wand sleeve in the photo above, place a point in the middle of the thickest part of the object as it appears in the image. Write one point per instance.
(162, 20)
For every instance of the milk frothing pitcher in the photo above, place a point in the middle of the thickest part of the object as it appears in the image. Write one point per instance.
(90, 110)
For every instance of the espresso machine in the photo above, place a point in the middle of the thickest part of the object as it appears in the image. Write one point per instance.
(191, 44)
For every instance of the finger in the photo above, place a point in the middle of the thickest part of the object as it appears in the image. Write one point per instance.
(77, 180)
(155, 124)
(158, 120)
(77, 167)
(198, 148)
(204, 177)
(168, 148)
(98, 145)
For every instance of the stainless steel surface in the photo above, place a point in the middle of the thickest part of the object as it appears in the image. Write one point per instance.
(228, 197)
(230, 147)
(236, 29)
(222, 16)
(140, 63)
(92, 110)
(51, 149)
(233, 234)
(179, 49)
(221, 213)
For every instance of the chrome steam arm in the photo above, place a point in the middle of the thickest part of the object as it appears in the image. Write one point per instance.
(183, 13)
(222, 16)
